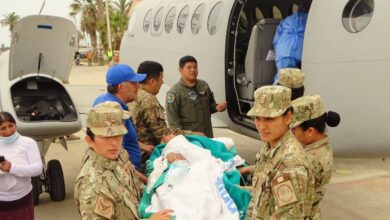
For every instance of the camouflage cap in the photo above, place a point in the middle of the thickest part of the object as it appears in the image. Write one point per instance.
(306, 108)
(271, 101)
(291, 77)
(106, 119)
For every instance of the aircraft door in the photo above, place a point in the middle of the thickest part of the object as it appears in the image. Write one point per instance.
(260, 67)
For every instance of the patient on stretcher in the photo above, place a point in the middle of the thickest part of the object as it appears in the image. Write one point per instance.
(191, 176)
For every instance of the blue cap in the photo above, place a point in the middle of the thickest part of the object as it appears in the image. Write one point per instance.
(121, 73)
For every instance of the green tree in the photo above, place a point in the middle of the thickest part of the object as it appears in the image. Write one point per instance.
(119, 23)
(93, 20)
(91, 14)
(10, 20)
(123, 6)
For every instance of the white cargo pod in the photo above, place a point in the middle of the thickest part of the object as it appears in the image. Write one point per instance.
(42, 45)
(41, 57)
(31, 89)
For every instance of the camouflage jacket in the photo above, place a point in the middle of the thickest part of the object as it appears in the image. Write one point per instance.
(149, 118)
(320, 154)
(282, 184)
(107, 189)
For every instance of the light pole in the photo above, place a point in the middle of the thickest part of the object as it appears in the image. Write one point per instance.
(108, 27)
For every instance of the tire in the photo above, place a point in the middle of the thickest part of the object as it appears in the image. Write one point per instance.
(36, 190)
(55, 177)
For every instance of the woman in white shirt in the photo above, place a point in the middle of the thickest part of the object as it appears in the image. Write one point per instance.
(21, 162)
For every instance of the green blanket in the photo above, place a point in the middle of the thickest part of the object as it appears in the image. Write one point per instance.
(231, 179)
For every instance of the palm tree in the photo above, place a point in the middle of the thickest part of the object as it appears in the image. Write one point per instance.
(89, 18)
(93, 21)
(119, 24)
(123, 6)
(10, 20)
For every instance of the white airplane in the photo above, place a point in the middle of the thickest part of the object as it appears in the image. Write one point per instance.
(346, 58)
(31, 75)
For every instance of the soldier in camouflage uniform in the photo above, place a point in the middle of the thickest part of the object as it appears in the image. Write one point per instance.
(282, 184)
(148, 114)
(308, 126)
(292, 78)
(190, 102)
(107, 187)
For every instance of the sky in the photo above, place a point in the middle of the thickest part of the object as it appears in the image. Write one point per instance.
(31, 7)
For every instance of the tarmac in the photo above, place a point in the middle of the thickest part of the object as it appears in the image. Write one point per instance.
(359, 188)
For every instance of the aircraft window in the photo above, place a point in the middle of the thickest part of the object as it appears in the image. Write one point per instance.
(158, 19)
(169, 19)
(213, 20)
(357, 14)
(182, 19)
(258, 15)
(147, 20)
(197, 18)
(277, 13)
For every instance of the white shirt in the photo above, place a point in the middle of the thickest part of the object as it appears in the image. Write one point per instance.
(25, 163)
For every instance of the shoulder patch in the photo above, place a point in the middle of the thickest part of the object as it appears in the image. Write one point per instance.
(283, 190)
(202, 93)
(170, 98)
(104, 206)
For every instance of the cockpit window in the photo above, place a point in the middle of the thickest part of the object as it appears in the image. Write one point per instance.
(197, 18)
(182, 19)
(158, 19)
(277, 14)
(213, 19)
(258, 15)
(147, 20)
(357, 14)
(169, 19)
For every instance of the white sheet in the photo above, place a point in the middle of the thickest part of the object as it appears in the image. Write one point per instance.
(194, 188)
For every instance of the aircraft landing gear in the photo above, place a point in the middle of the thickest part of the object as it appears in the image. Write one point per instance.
(55, 181)
(37, 189)
(52, 178)
(51, 181)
